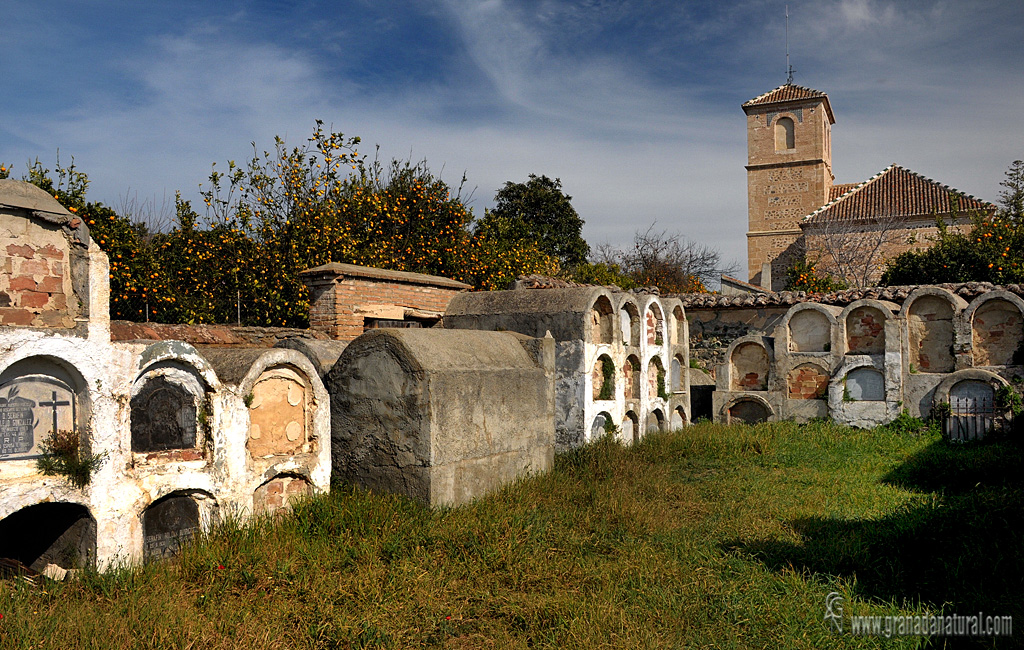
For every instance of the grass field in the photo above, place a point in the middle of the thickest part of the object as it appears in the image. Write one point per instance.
(713, 537)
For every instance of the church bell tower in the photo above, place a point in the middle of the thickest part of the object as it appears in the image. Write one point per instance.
(789, 175)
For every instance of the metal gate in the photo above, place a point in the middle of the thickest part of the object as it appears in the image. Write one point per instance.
(972, 418)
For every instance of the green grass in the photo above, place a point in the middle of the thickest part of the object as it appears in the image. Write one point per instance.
(713, 537)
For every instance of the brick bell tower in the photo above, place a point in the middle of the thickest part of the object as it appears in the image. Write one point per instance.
(789, 175)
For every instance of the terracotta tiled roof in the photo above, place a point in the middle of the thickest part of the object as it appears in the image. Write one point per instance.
(839, 190)
(895, 192)
(786, 93)
(790, 93)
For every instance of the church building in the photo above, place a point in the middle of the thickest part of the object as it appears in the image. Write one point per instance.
(797, 211)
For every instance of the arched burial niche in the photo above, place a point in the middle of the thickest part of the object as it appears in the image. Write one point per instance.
(38, 397)
(809, 331)
(631, 378)
(996, 332)
(748, 411)
(972, 410)
(865, 331)
(629, 324)
(655, 422)
(677, 373)
(656, 379)
(864, 385)
(630, 429)
(279, 414)
(749, 367)
(165, 409)
(807, 381)
(602, 425)
(167, 524)
(678, 418)
(930, 326)
(49, 533)
(279, 494)
(655, 327)
(784, 136)
(602, 378)
(601, 321)
(680, 322)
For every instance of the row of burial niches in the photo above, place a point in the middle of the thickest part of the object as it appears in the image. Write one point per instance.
(190, 450)
(628, 330)
(934, 349)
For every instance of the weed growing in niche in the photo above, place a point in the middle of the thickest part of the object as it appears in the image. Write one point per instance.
(62, 455)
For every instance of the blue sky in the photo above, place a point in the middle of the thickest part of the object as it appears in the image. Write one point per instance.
(635, 105)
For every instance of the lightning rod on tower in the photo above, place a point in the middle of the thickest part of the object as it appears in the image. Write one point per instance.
(789, 68)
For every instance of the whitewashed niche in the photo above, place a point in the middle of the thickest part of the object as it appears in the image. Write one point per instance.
(168, 406)
(37, 398)
(279, 414)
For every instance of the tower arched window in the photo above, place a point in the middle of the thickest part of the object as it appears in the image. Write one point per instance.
(784, 134)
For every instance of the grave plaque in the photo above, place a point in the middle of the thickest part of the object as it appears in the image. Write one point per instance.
(277, 415)
(163, 417)
(31, 408)
(167, 524)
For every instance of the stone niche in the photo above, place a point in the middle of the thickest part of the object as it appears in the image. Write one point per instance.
(279, 414)
(930, 334)
(49, 533)
(807, 381)
(37, 398)
(279, 494)
(809, 331)
(443, 416)
(655, 326)
(748, 411)
(750, 365)
(631, 378)
(165, 410)
(997, 332)
(167, 524)
(865, 331)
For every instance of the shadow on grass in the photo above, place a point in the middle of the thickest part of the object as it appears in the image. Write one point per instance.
(958, 546)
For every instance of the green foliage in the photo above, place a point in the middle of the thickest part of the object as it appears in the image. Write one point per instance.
(538, 211)
(62, 455)
(906, 424)
(804, 276)
(1008, 399)
(662, 392)
(602, 273)
(285, 211)
(608, 378)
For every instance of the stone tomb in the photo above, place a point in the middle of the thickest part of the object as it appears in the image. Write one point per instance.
(167, 524)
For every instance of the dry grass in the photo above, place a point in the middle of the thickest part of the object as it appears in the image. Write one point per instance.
(714, 537)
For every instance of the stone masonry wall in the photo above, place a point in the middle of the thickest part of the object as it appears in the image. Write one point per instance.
(35, 286)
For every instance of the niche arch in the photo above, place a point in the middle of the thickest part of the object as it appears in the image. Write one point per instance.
(601, 325)
(631, 378)
(655, 378)
(601, 425)
(997, 329)
(678, 368)
(654, 325)
(168, 409)
(747, 409)
(655, 422)
(41, 394)
(173, 519)
(280, 418)
(630, 430)
(680, 329)
(809, 328)
(279, 494)
(749, 365)
(807, 381)
(864, 325)
(61, 533)
(629, 323)
(602, 378)
(931, 316)
(679, 419)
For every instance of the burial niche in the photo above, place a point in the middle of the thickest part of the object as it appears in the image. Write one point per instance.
(49, 533)
(167, 524)
(864, 385)
(972, 410)
(809, 331)
(677, 374)
(749, 367)
(655, 379)
(997, 333)
(655, 325)
(279, 494)
(655, 421)
(164, 416)
(930, 324)
(601, 321)
(33, 406)
(807, 381)
(629, 322)
(680, 321)
(630, 427)
(278, 414)
(631, 378)
(865, 331)
(748, 411)
(603, 378)
(678, 418)
(602, 425)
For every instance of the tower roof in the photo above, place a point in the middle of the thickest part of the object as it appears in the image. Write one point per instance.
(787, 93)
(896, 192)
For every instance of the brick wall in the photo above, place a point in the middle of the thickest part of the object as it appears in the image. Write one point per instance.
(344, 296)
(34, 286)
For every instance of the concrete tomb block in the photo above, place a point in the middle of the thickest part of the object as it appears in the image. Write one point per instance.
(865, 331)
(163, 416)
(31, 408)
(865, 385)
(279, 494)
(49, 533)
(997, 332)
(278, 420)
(748, 411)
(167, 524)
(749, 367)
(810, 331)
(930, 326)
(807, 381)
